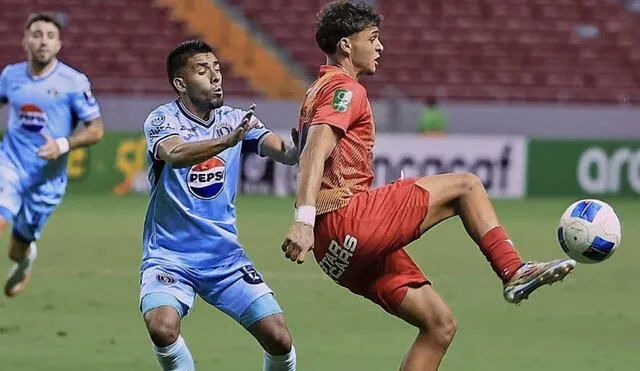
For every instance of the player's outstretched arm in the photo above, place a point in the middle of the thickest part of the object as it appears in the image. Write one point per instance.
(320, 142)
(91, 134)
(280, 150)
(179, 153)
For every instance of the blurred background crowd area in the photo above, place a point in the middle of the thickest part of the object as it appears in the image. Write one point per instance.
(533, 67)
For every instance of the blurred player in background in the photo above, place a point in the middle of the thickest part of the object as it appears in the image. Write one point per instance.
(46, 101)
(190, 239)
(359, 234)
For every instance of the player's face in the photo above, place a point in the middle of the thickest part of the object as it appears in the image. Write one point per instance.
(42, 41)
(366, 49)
(203, 79)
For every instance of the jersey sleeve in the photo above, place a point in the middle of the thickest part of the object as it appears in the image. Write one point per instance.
(339, 105)
(158, 127)
(252, 142)
(3, 86)
(83, 103)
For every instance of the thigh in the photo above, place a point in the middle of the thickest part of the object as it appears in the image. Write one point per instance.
(162, 284)
(424, 308)
(38, 205)
(234, 289)
(10, 193)
(373, 225)
(444, 191)
(391, 279)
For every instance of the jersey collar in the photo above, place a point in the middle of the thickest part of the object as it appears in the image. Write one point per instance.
(207, 124)
(53, 69)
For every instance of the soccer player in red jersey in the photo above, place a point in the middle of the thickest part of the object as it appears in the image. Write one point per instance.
(358, 234)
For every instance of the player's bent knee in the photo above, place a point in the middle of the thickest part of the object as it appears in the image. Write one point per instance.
(443, 330)
(163, 324)
(273, 334)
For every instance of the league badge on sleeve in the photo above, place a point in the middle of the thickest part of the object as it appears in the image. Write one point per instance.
(342, 100)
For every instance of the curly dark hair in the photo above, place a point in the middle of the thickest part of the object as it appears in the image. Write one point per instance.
(341, 19)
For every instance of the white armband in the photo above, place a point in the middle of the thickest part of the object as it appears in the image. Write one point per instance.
(306, 214)
(63, 144)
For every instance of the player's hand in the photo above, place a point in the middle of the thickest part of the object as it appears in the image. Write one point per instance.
(246, 125)
(298, 242)
(50, 149)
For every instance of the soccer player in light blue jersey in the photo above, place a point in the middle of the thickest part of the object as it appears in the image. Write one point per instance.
(47, 99)
(190, 240)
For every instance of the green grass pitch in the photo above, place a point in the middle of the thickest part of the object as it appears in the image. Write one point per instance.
(80, 311)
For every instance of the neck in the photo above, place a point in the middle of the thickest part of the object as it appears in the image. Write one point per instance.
(198, 110)
(346, 65)
(37, 69)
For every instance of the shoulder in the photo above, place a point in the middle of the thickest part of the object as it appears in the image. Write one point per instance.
(165, 113)
(14, 68)
(73, 75)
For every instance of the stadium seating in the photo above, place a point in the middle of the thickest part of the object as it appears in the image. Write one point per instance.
(484, 50)
(120, 44)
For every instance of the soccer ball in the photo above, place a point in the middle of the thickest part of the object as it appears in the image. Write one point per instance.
(589, 231)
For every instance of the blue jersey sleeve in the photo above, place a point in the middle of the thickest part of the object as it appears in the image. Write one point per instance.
(158, 127)
(252, 142)
(3, 85)
(83, 103)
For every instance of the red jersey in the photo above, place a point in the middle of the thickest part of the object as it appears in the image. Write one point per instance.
(337, 99)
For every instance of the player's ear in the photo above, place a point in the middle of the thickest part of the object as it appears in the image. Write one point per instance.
(344, 45)
(179, 84)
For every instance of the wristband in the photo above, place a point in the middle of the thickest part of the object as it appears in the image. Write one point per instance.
(63, 144)
(306, 214)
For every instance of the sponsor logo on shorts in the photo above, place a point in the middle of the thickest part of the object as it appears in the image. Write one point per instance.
(165, 278)
(338, 257)
(250, 275)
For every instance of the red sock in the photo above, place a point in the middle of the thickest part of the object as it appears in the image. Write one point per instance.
(499, 251)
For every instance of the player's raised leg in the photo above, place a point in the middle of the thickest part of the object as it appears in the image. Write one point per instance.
(463, 194)
(423, 308)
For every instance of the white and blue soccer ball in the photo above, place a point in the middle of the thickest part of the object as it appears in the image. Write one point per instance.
(589, 231)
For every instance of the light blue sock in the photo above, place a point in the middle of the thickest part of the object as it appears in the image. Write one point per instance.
(175, 357)
(285, 362)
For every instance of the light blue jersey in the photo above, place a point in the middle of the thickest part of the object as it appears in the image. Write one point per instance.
(53, 104)
(191, 216)
(190, 240)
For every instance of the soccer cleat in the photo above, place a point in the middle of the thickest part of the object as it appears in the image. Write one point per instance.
(533, 275)
(20, 273)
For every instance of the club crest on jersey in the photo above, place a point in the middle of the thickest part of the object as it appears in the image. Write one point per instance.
(206, 179)
(32, 118)
(223, 129)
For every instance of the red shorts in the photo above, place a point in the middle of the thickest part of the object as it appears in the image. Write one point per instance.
(361, 246)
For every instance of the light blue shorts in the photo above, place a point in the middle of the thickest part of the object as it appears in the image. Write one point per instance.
(27, 208)
(240, 292)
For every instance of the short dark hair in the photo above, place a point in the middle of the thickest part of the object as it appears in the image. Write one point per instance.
(45, 17)
(342, 19)
(178, 57)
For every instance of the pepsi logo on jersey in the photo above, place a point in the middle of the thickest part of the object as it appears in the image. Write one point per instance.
(32, 118)
(206, 179)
